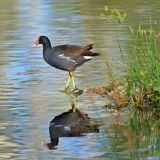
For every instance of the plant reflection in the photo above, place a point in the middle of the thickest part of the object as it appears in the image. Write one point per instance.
(72, 123)
(138, 134)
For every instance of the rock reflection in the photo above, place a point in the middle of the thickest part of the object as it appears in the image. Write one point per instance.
(70, 124)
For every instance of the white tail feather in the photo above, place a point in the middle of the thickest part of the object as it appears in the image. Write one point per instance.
(87, 57)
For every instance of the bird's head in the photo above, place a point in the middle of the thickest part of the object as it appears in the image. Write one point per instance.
(42, 40)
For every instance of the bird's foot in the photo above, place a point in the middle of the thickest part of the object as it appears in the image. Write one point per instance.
(77, 91)
(65, 90)
(71, 91)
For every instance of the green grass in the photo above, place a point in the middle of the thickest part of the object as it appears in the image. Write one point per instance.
(143, 63)
(143, 66)
(113, 15)
(144, 60)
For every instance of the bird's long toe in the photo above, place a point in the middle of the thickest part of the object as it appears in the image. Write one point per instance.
(77, 91)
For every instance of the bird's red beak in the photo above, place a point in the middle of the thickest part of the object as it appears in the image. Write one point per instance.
(36, 42)
(46, 145)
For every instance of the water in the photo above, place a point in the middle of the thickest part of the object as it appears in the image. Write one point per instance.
(29, 96)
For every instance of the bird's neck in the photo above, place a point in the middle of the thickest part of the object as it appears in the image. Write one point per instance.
(46, 46)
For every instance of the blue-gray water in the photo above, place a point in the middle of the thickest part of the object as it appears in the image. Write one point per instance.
(29, 96)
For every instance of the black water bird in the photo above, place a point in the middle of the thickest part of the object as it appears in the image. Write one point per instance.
(65, 57)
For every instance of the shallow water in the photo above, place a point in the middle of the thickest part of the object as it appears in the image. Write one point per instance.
(29, 88)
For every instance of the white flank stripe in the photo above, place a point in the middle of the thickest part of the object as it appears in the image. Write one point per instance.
(61, 55)
(87, 57)
(67, 58)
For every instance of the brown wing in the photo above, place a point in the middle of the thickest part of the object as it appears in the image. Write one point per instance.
(74, 50)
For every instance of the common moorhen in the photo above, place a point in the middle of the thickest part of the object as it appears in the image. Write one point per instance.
(65, 57)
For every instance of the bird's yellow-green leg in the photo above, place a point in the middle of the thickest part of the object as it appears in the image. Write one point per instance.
(67, 84)
(73, 81)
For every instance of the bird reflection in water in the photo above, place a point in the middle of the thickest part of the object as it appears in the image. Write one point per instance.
(72, 123)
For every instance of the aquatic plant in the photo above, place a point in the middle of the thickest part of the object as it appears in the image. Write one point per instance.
(113, 15)
(142, 86)
(143, 66)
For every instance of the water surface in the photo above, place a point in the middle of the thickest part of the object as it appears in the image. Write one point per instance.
(29, 96)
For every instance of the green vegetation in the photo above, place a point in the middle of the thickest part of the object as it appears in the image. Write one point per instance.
(113, 15)
(143, 67)
(142, 86)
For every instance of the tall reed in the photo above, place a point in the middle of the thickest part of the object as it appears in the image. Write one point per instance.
(143, 65)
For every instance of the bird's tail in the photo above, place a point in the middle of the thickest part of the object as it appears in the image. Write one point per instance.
(88, 47)
(87, 51)
(94, 54)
